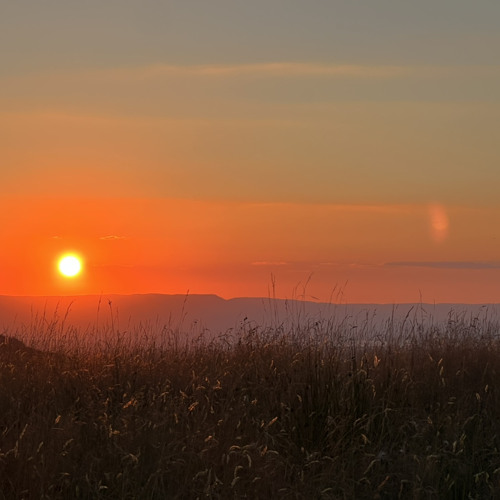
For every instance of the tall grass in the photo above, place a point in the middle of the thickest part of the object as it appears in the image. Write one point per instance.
(322, 410)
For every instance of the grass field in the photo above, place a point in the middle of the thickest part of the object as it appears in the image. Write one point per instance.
(323, 410)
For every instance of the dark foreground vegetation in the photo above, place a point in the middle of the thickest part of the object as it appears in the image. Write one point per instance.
(323, 411)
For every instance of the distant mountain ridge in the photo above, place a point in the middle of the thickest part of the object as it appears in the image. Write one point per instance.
(210, 313)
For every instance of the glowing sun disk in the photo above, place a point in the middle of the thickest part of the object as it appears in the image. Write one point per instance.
(69, 265)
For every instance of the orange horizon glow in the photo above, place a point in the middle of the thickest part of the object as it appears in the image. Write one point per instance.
(340, 253)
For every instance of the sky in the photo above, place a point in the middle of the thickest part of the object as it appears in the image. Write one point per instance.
(327, 150)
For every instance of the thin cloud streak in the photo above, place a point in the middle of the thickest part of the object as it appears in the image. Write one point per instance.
(446, 264)
(280, 69)
(270, 263)
(112, 237)
(267, 70)
(297, 69)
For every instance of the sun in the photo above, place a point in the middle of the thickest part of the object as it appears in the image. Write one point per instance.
(70, 265)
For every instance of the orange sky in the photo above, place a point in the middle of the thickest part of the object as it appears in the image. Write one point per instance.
(385, 253)
(211, 146)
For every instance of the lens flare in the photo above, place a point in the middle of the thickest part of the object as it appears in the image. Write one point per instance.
(440, 223)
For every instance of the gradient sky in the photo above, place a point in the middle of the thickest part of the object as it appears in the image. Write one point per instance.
(345, 150)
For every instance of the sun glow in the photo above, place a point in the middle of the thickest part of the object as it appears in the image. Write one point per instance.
(70, 265)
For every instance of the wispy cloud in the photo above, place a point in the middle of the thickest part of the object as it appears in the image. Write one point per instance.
(281, 69)
(278, 69)
(292, 69)
(263, 70)
(112, 237)
(269, 263)
(446, 264)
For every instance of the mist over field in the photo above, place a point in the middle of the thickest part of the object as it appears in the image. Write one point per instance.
(210, 316)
